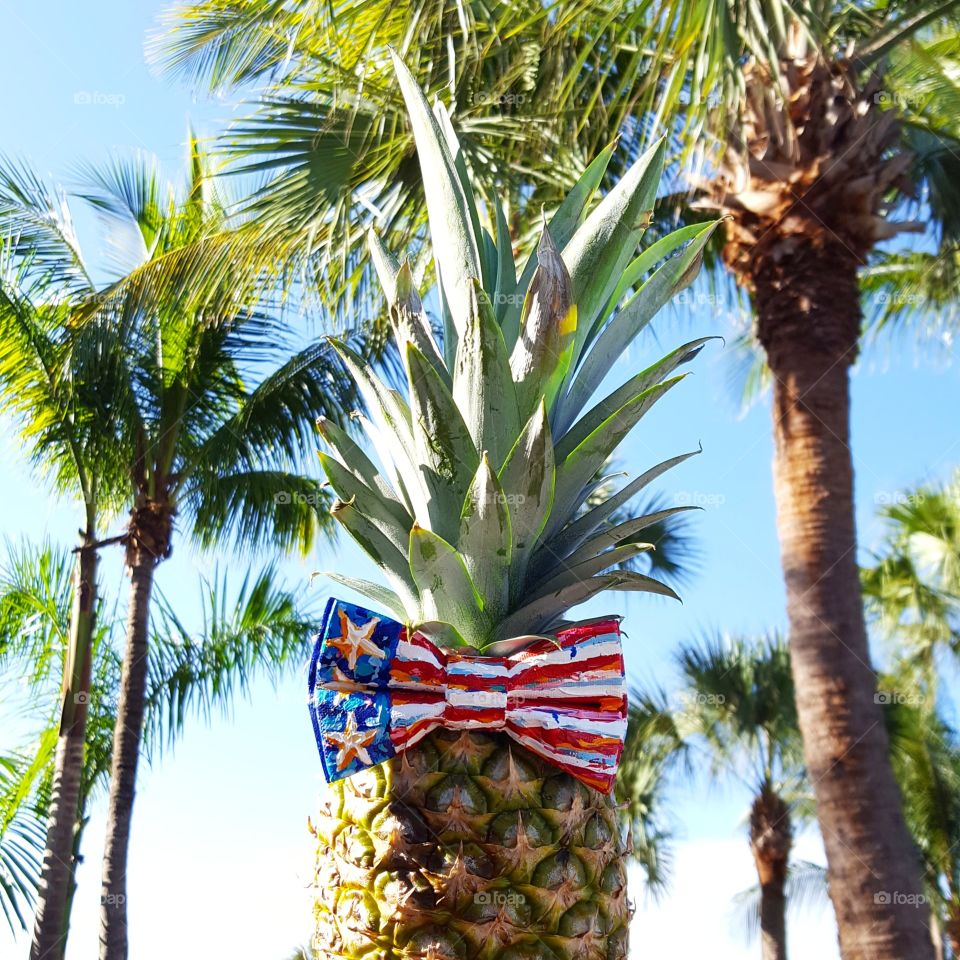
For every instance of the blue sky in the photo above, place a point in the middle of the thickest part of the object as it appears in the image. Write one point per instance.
(221, 856)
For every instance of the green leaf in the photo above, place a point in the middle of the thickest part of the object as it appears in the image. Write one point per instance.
(583, 462)
(569, 215)
(666, 282)
(463, 175)
(571, 573)
(352, 457)
(505, 292)
(599, 251)
(388, 514)
(621, 531)
(541, 614)
(445, 452)
(486, 541)
(451, 228)
(578, 530)
(441, 633)
(447, 592)
(634, 387)
(527, 480)
(385, 263)
(411, 324)
(638, 268)
(382, 596)
(379, 548)
(563, 224)
(390, 432)
(543, 352)
(483, 387)
(408, 319)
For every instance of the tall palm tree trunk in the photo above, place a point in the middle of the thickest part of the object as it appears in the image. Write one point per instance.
(771, 839)
(59, 858)
(126, 751)
(808, 322)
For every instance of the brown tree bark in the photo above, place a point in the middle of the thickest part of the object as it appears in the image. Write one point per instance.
(126, 752)
(771, 839)
(59, 857)
(808, 313)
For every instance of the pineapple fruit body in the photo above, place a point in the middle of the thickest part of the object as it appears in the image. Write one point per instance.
(467, 846)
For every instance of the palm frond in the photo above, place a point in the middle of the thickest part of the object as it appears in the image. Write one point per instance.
(21, 847)
(653, 748)
(256, 629)
(738, 703)
(806, 890)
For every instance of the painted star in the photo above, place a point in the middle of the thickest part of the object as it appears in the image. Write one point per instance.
(353, 742)
(355, 640)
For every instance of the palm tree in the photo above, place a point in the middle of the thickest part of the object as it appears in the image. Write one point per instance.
(256, 628)
(738, 717)
(654, 746)
(912, 586)
(926, 756)
(206, 446)
(816, 138)
(207, 407)
(58, 412)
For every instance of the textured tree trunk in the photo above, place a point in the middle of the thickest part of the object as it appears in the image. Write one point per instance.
(808, 312)
(126, 751)
(771, 838)
(59, 857)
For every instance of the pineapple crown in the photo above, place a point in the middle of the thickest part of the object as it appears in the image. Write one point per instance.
(477, 520)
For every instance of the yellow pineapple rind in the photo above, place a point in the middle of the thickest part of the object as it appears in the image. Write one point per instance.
(468, 847)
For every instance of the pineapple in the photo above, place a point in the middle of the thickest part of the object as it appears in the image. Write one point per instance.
(467, 845)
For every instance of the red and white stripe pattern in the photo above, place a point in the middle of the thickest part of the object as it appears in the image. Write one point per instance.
(563, 699)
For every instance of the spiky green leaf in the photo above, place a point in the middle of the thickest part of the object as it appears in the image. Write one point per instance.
(527, 479)
(446, 590)
(483, 387)
(384, 598)
(451, 227)
(603, 245)
(486, 541)
(672, 277)
(444, 450)
(378, 547)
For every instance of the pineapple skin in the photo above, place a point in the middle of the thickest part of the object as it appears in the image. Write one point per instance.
(468, 846)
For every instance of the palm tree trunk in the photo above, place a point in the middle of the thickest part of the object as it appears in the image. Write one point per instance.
(59, 857)
(809, 320)
(126, 751)
(771, 839)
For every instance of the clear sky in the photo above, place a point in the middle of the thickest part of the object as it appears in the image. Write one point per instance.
(221, 856)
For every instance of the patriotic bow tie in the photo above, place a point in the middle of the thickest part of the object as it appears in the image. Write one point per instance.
(375, 691)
